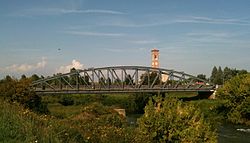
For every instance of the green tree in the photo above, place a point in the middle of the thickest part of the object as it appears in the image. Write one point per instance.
(236, 93)
(219, 77)
(153, 76)
(240, 72)
(228, 74)
(34, 77)
(19, 91)
(102, 81)
(23, 77)
(85, 80)
(73, 78)
(214, 74)
(202, 76)
(108, 81)
(7, 87)
(170, 120)
(128, 80)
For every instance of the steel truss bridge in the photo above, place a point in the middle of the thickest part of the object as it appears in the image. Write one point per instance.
(120, 79)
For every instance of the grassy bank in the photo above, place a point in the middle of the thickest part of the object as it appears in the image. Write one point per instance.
(94, 123)
(132, 103)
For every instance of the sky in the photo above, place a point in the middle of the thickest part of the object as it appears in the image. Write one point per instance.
(46, 37)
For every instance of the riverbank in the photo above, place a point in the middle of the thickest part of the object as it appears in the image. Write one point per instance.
(68, 111)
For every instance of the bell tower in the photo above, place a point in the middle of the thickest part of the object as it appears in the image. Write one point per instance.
(155, 58)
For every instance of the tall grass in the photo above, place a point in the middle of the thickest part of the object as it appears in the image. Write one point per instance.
(18, 124)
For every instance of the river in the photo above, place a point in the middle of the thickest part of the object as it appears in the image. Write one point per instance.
(227, 133)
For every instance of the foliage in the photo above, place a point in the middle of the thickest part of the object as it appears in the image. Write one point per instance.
(128, 80)
(66, 101)
(19, 91)
(219, 77)
(170, 120)
(153, 77)
(202, 76)
(212, 110)
(236, 92)
(18, 124)
(141, 100)
(213, 75)
(98, 123)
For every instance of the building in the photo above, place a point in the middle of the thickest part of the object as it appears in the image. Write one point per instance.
(155, 58)
(155, 53)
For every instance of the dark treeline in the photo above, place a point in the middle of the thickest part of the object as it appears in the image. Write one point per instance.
(219, 76)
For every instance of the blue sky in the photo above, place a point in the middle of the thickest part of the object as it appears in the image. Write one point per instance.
(46, 37)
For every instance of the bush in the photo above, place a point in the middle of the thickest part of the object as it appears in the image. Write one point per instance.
(236, 93)
(19, 91)
(66, 101)
(18, 124)
(98, 123)
(170, 120)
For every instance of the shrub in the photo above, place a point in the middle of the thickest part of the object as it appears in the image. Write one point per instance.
(66, 101)
(98, 123)
(170, 120)
(236, 93)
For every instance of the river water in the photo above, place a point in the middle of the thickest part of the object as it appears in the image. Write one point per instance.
(227, 133)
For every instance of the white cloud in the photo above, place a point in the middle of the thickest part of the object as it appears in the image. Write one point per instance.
(209, 20)
(211, 34)
(61, 11)
(101, 11)
(94, 34)
(65, 69)
(161, 20)
(25, 67)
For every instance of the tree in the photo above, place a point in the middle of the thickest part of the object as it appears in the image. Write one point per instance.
(102, 81)
(73, 78)
(108, 81)
(236, 93)
(213, 75)
(117, 81)
(23, 77)
(227, 74)
(240, 72)
(85, 80)
(128, 80)
(170, 120)
(19, 91)
(152, 76)
(34, 77)
(201, 76)
(219, 77)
